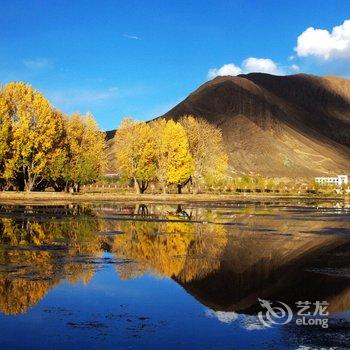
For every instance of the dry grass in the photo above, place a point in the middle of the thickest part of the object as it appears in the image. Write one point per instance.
(56, 198)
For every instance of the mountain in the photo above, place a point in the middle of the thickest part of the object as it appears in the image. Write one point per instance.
(277, 126)
(275, 270)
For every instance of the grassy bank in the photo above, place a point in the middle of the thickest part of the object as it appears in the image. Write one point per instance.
(59, 197)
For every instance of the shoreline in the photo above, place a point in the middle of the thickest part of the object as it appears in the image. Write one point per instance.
(59, 197)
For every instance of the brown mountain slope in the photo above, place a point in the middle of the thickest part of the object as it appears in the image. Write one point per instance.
(293, 126)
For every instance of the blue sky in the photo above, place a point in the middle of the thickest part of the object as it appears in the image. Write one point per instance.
(140, 58)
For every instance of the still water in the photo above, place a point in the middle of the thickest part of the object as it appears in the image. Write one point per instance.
(127, 276)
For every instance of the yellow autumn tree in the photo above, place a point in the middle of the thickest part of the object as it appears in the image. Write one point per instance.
(135, 153)
(207, 149)
(87, 158)
(58, 167)
(174, 159)
(5, 135)
(36, 134)
(158, 127)
(165, 254)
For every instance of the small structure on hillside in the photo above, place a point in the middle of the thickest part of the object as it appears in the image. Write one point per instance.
(338, 180)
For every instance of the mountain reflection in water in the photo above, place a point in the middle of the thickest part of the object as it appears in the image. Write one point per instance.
(226, 257)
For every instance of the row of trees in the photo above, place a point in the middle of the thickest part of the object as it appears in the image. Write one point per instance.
(41, 147)
(170, 152)
(166, 255)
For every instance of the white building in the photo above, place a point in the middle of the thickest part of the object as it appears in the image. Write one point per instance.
(338, 180)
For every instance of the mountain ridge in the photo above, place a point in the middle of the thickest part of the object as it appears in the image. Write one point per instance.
(277, 126)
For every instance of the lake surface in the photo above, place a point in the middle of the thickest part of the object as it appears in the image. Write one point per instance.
(127, 276)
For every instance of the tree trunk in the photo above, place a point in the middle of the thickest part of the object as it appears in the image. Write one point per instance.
(28, 185)
(136, 186)
(142, 209)
(143, 185)
(76, 187)
(178, 209)
(196, 185)
(179, 188)
(29, 178)
(163, 187)
(68, 187)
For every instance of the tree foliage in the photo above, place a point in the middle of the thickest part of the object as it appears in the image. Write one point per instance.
(135, 152)
(40, 146)
(170, 152)
(158, 127)
(207, 149)
(86, 156)
(5, 132)
(36, 133)
(174, 150)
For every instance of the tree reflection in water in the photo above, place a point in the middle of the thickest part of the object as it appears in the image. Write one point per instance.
(226, 267)
(165, 248)
(36, 254)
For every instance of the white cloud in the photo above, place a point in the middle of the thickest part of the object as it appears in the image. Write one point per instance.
(37, 63)
(251, 323)
(250, 65)
(222, 316)
(226, 69)
(262, 65)
(134, 37)
(295, 68)
(323, 44)
(80, 98)
(77, 98)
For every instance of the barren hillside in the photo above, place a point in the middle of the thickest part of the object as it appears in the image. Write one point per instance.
(294, 126)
